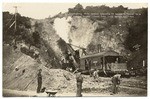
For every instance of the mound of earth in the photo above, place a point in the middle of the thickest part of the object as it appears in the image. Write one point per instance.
(55, 79)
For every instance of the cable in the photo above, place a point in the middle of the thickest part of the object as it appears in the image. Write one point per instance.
(10, 20)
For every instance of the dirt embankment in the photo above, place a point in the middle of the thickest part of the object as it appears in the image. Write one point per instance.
(65, 82)
(60, 80)
(55, 79)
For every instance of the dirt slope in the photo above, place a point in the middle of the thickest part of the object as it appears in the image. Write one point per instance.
(52, 78)
(109, 32)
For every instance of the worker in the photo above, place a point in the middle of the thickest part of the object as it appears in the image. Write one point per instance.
(115, 83)
(79, 80)
(63, 64)
(95, 75)
(71, 65)
(91, 72)
(86, 64)
(39, 79)
(35, 54)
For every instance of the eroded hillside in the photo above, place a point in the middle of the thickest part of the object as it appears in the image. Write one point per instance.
(108, 32)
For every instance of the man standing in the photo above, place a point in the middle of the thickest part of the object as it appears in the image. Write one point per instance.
(79, 80)
(95, 75)
(39, 79)
(115, 83)
(91, 71)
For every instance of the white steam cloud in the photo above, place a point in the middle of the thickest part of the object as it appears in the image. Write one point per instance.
(62, 27)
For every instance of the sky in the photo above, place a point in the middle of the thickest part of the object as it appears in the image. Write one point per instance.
(44, 10)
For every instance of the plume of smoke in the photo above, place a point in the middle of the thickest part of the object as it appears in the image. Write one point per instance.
(62, 27)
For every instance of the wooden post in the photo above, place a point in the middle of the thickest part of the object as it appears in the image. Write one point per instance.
(103, 63)
(15, 22)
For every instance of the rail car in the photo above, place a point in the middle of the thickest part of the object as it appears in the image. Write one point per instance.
(108, 63)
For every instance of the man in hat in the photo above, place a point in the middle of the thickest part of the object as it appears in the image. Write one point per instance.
(115, 83)
(39, 79)
(79, 80)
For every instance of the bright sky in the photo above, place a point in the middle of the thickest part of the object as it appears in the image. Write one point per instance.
(44, 10)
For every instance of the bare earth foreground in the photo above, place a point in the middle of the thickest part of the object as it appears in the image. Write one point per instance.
(90, 88)
(16, 83)
(15, 93)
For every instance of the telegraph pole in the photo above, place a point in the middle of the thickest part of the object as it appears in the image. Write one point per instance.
(15, 22)
(15, 17)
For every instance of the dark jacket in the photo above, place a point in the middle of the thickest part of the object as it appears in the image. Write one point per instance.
(39, 77)
(115, 80)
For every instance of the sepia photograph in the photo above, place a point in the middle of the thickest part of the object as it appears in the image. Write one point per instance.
(74, 49)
